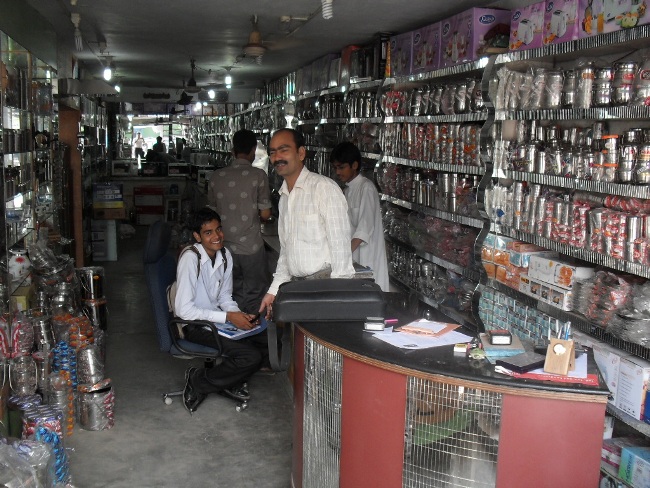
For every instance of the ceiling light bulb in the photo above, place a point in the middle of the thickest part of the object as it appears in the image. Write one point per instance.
(211, 93)
(118, 88)
(228, 86)
(197, 106)
(228, 79)
(205, 104)
(108, 73)
(327, 9)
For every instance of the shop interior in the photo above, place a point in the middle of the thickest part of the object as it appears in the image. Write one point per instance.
(509, 145)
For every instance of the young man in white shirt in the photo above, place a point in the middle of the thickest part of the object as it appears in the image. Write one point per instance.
(204, 292)
(368, 248)
(313, 224)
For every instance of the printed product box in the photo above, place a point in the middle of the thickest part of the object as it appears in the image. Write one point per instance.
(527, 27)
(557, 272)
(603, 16)
(465, 35)
(633, 378)
(501, 257)
(522, 259)
(561, 21)
(608, 360)
(521, 246)
(401, 47)
(545, 292)
(487, 254)
(148, 196)
(426, 49)
(613, 448)
(501, 274)
(107, 195)
(490, 269)
(502, 242)
(635, 466)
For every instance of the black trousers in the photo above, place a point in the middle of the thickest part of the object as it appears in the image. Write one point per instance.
(241, 359)
(250, 280)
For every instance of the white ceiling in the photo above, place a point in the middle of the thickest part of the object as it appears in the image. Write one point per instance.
(152, 42)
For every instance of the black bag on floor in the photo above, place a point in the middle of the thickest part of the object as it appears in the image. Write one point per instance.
(326, 300)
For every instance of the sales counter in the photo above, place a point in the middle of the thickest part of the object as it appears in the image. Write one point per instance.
(368, 414)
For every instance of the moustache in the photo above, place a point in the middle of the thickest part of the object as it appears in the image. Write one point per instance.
(279, 161)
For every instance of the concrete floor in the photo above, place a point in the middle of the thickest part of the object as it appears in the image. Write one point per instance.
(155, 445)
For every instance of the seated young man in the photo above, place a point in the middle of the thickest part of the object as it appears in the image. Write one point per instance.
(204, 292)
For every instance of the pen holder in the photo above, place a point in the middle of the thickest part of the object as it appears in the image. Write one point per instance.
(560, 357)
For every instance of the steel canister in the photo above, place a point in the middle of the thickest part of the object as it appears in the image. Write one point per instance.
(584, 87)
(554, 85)
(623, 82)
(569, 89)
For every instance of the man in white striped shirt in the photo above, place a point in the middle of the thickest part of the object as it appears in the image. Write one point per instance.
(313, 223)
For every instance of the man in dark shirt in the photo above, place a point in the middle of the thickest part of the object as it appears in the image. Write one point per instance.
(159, 146)
(240, 194)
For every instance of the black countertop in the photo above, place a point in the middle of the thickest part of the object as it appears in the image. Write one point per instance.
(351, 337)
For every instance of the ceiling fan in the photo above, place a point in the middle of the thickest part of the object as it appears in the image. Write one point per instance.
(257, 47)
(191, 87)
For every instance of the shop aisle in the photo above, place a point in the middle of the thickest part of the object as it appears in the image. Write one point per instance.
(155, 445)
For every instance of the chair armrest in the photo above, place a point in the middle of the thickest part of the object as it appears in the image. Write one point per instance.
(176, 325)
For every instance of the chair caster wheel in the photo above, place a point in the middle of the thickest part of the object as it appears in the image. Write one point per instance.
(167, 399)
(241, 406)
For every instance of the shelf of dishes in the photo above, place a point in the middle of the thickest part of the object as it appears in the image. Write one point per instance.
(463, 318)
(465, 271)
(450, 216)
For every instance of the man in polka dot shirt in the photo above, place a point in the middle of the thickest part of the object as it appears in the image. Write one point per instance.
(240, 194)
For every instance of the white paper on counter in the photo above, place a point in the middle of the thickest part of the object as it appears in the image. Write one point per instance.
(419, 341)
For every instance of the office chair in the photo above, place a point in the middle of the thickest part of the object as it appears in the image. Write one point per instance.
(160, 272)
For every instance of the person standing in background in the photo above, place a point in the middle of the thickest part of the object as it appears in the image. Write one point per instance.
(139, 146)
(368, 248)
(240, 194)
(159, 146)
(313, 224)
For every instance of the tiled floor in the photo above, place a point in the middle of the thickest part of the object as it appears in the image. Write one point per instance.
(156, 445)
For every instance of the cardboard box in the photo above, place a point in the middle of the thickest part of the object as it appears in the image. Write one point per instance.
(502, 242)
(635, 466)
(562, 21)
(109, 213)
(20, 299)
(148, 196)
(527, 27)
(426, 49)
(501, 275)
(104, 240)
(613, 448)
(490, 269)
(562, 273)
(522, 259)
(463, 35)
(487, 254)
(608, 360)
(601, 17)
(554, 295)
(107, 195)
(501, 257)
(400, 54)
(633, 377)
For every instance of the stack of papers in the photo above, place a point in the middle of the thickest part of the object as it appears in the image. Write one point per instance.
(423, 334)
